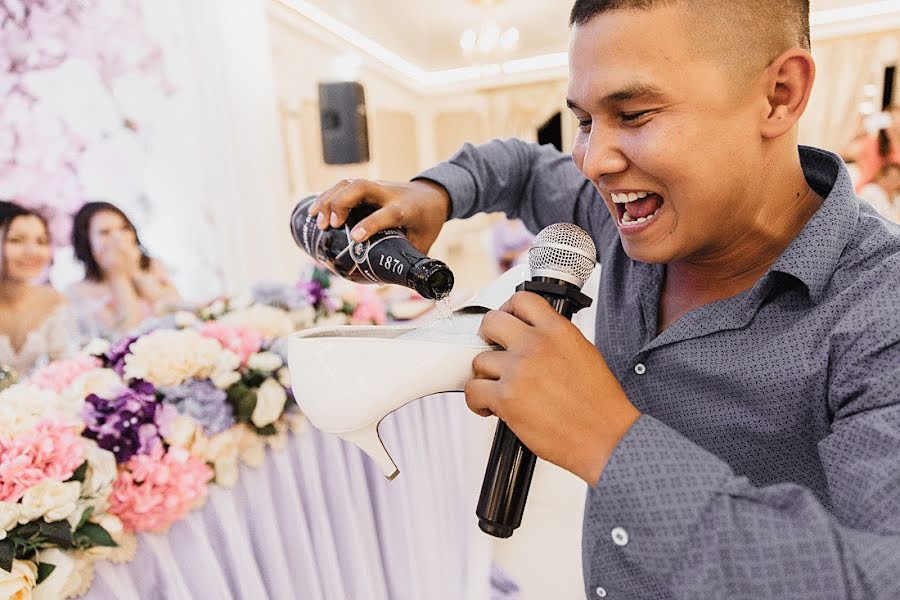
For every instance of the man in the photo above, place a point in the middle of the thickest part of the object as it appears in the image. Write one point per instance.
(738, 422)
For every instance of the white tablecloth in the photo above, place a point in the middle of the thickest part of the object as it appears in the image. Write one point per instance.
(318, 520)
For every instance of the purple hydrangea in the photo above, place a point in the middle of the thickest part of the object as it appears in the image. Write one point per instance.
(283, 296)
(115, 356)
(131, 423)
(203, 402)
(313, 290)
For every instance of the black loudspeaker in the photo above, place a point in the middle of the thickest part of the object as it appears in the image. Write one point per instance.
(345, 134)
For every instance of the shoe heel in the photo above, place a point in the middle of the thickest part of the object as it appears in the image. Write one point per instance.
(368, 440)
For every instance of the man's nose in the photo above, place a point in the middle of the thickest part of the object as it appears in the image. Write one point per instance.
(603, 155)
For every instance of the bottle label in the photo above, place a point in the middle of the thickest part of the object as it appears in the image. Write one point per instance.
(361, 253)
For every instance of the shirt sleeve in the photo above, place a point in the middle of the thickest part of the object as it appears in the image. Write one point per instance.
(669, 519)
(537, 184)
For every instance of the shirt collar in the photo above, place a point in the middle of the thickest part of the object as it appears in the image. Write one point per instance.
(813, 256)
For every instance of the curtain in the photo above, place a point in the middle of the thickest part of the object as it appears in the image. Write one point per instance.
(844, 67)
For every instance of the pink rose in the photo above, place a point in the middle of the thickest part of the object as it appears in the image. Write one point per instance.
(60, 374)
(237, 339)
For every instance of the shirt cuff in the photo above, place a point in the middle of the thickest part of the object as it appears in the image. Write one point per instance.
(651, 497)
(460, 185)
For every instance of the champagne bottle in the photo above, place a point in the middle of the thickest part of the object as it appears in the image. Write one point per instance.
(386, 257)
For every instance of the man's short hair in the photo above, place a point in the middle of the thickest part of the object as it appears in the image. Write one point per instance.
(748, 33)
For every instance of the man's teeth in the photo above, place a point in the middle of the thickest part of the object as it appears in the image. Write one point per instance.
(628, 220)
(629, 197)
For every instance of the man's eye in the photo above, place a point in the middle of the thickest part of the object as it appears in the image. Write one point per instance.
(633, 116)
(584, 124)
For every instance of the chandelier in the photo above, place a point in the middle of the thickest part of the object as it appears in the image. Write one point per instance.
(488, 38)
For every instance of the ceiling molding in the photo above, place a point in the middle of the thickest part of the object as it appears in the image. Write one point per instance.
(860, 19)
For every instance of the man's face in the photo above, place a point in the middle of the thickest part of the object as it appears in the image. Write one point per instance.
(656, 117)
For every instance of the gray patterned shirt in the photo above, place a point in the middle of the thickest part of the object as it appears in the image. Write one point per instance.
(766, 463)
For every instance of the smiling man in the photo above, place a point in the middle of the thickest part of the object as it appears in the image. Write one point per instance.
(738, 421)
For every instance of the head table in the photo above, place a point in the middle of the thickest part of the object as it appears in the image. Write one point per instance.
(318, 520)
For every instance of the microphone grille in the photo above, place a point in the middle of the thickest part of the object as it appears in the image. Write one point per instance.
(564, 251)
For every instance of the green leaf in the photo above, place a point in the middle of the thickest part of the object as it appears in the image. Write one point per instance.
(7, 554)
(44, 571)
(87, 514)
(58, 533)
(253, 378)
(79, 473)
(91, 534)
(243, 399)
(267, 430)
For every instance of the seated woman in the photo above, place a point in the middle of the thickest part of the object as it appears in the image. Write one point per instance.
(36, 324)
(122, 285)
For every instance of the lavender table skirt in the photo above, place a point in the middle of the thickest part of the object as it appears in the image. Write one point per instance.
(318, 520)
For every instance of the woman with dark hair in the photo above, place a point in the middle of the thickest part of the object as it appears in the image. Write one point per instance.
(36, 323)
(122, 285)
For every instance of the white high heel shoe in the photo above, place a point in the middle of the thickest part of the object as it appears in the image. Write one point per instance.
(347, 379)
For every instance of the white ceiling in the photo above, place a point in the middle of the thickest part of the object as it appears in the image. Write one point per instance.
(426, 32)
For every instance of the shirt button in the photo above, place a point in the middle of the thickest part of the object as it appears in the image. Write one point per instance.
(619, 536)
(640, 368)
(601, 593)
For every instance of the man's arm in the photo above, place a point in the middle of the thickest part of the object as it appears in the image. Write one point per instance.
(672, 519)
(537, 184)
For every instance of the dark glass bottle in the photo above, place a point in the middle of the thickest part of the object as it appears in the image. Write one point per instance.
(386, 257)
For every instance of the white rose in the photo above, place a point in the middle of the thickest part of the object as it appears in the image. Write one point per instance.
(168, 357)
(284, 377)
(223, 381)
(96, 347)
(184, 319)
(224, 446)
(18, 583)
(110, 523)
(226, 472)
(241, 301)
(23, 405)
(183, 432)
(334, 320)
(303, 317)
(53, 500)
(227, 361)
(103, 382)
(9, 517)
(270, 399)
(265, 361)
(270, 322)
(52, 587)
(216, 308)
(101, 470)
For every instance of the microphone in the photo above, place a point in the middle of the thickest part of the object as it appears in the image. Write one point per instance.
(561, 259)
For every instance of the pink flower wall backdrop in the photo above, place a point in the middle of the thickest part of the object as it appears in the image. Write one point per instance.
(68, 69)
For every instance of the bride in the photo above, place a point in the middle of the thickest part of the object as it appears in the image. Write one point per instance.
(36, 325)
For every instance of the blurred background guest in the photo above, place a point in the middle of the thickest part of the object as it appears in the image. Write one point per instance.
(36, 324)
(879, 150)
(884, 192)
(122, 285)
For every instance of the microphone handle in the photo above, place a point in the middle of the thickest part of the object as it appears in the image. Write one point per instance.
(507, 477)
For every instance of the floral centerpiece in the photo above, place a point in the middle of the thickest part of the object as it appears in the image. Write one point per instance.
(126, 437)
(55, 488)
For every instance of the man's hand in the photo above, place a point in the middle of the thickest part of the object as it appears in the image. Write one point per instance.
(551, 386)
(420, 207)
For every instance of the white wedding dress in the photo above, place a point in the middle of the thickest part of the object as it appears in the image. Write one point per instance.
(54, 338)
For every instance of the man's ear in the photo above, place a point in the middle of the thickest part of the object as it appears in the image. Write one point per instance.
(789, 81)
